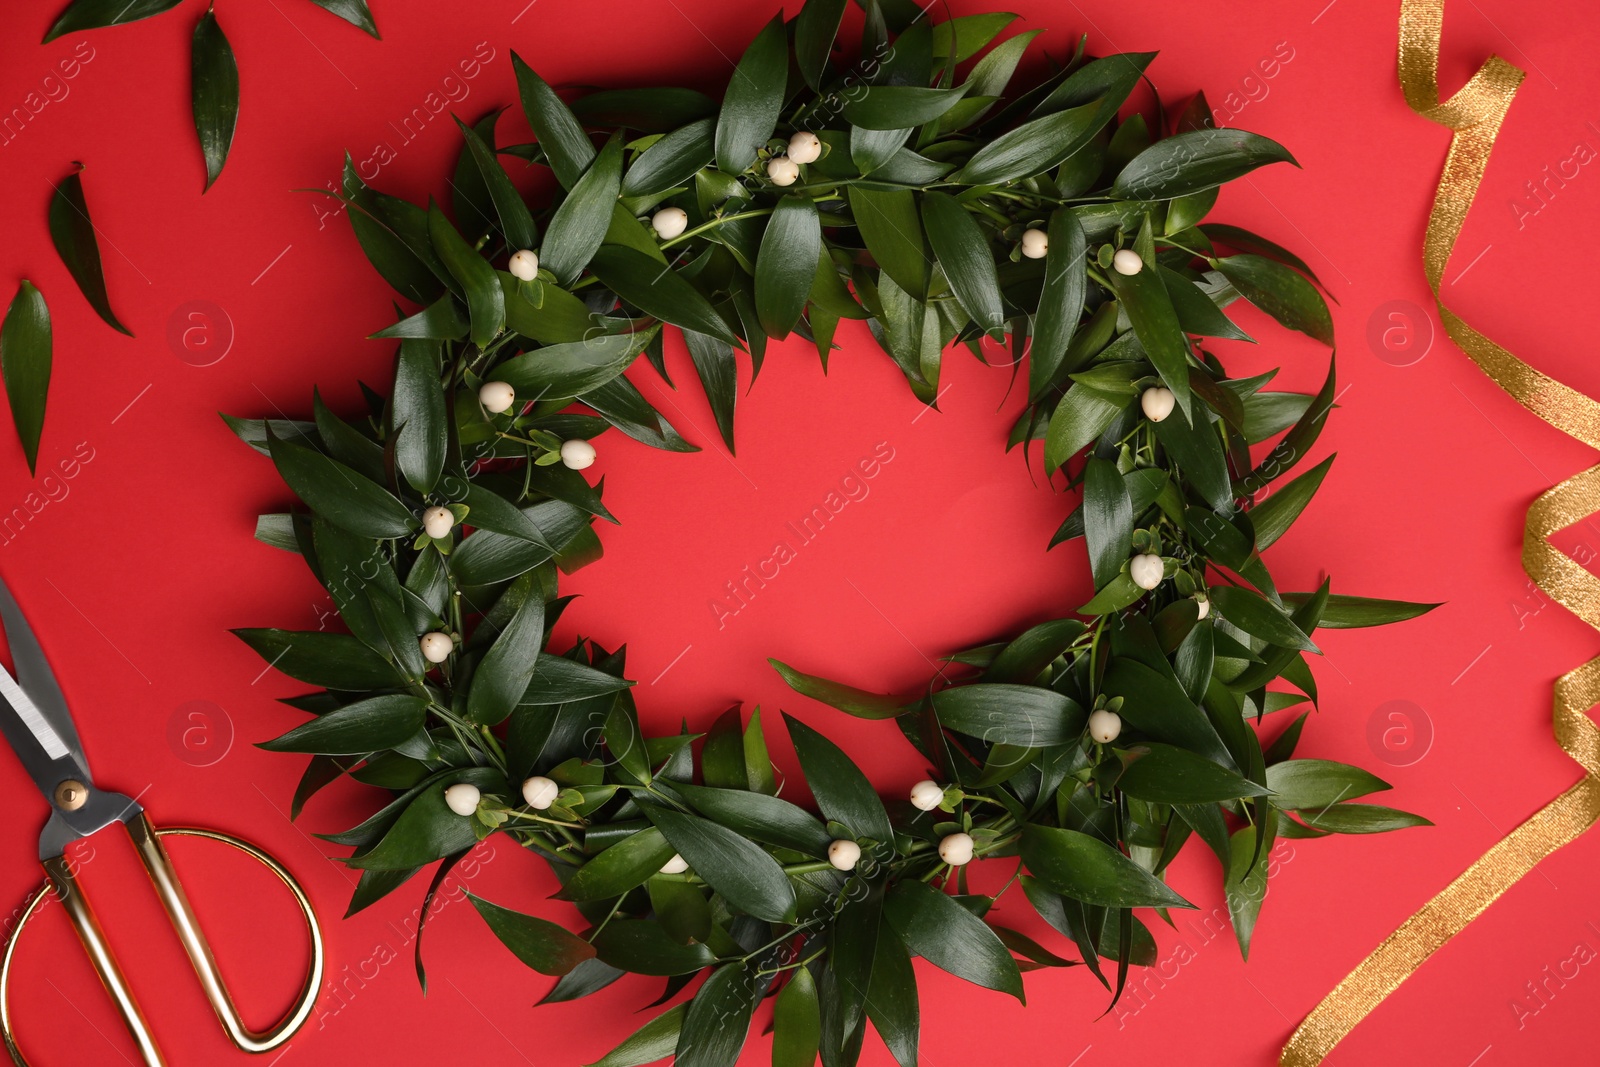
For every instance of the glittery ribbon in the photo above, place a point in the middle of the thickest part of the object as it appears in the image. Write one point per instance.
(1474, 115)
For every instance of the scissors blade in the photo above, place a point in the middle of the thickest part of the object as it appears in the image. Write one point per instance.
(36, 705)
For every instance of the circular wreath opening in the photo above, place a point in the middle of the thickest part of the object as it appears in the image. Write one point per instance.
(912, 188)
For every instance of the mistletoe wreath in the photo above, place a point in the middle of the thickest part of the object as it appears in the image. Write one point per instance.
(937, 210)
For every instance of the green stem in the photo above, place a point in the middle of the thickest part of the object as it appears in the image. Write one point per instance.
(714, 223)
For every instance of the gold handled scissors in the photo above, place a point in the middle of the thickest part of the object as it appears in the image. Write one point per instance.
(35, 720)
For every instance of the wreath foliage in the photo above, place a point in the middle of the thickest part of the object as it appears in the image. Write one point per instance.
(939, 205)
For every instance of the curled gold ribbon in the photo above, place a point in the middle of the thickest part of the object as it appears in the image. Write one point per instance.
(1474, 115)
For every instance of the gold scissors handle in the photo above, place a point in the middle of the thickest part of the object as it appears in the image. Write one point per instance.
(147, 840)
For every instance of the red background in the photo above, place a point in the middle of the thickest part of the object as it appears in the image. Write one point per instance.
(134, 568)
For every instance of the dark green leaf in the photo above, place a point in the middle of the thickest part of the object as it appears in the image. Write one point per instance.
(1033, 147)
(369, 725)
(1026, 715)
(94, 14)
(515, 220)
(25, 362)
(892, 231)
(1246, 886)
(898, 107)
(1259, 617)
(655, 1040)
(394, 236)
(891, 997)
(1082, 415)
(486, 304)
(572, 368)
(1361, 819)
(1353, 612)
(744, 874)
(1274, 515)
(427, 829)
(760, 817)
(643, 946)
(1156, 705)
(1066, 282)
(326, 659)
(935, 927)
(440, 321)
(672, 160)
(355, 12)
(785, 267)
(579, 225)
(619, 868)
(796, 1018)
(558, 680)
(841, 790)
(659, 291)
(339, 494)
(419, 415)
(503, 674)
(963, 251)
(1194, 161)
(1281, 293)
(1155, 323)
(567, 148)
(1198, 451)
(215, 90)
(539, 943)
(1245, 241)
(754, 97)
(1107, 519)
(1165, 774)
(1318, 783)
(816, 27)
(1197, 313)
(1085, 868)
(718, 1020)
(73, 234)
(857, 702)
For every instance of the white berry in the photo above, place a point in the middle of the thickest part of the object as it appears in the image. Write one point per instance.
(1146, 570)
(496, 396)
(1104, 726)
(436, 522)
(1157, 403)
(577, 454)
(956, 849)
(1127, 261)
(782, 170)
(539, 792)
(524, 265)
(805, 147)
(669, 222)
(1035, 243)
(436, 647)
(844, 854)
(1205, 608)
(676, 865)
(462, 798)
(927, 795)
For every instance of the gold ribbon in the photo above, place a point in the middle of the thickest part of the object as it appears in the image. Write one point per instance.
(1474, 115)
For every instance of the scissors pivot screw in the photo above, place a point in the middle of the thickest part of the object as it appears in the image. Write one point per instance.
(71, 795)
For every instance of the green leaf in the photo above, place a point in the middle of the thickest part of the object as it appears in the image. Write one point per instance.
(871, 150)
(714, 363)
(718, 1020)
(1354, 612)
(760, 817)
(643, 946)
(573, 368)
(73, 234)
(891, 997)
(796, 1017)
(370, 725)
(1281, 293)
(681, 908)
(394, 235)
(1107, 81)
(1066, 283)
(567, 148)
(1165, 774)
(355, 12)
(1274, 515)
(755, 95)
(963, 251)
(1155, 704)
(1031, 651)
(1361, 819)
(427, 829)
(842, 792)
(672, 160)
(950, 937)
(1259, 617)
(1107, 519)
(815, 29)
(658, 291)
(969, 33)
(25, 361)
(539, 943)
(1245, 241)
(858, 702)
(215, 91)
(339, 494)
(619, 868)
(502, 676)
(1194, 161)
(516, 222)
(1197, 313)
(1082, 415)
(1155, 323)
(892, 231)
(791, 248)
(579, 225)
(999, 713)
(95, 14)
(1086, 868)
(745, 874)
(419, 416)
(558, 680)
(1198, 451)
(440, 321)
(1318, 783)
(1034, 147)
(1245, 885)
(898, 107)
(655, 1040)
(326, 659)
(486, 304)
